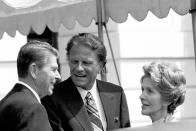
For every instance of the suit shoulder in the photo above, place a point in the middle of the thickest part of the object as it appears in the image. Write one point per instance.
(19, 102)
(20, 98)
(62, 91)
(109, 85)
(61, 85)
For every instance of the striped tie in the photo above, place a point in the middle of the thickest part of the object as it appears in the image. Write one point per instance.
(93, 112)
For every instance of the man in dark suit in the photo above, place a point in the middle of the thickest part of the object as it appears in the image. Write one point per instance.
(21, 109)
(67, 107)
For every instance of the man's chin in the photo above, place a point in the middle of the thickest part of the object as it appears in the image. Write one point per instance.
(81, 85)
(50, 92)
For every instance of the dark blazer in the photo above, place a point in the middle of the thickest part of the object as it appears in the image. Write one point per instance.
(21, 111)
(67, 112)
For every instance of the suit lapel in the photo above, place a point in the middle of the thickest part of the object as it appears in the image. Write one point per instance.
(108, 101)
(83, 119)
(77, 108)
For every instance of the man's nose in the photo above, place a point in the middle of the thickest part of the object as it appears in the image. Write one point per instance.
(57, 75)
(80, 66)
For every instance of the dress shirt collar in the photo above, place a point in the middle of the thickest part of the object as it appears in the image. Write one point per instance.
(32, 90)
(83, 92)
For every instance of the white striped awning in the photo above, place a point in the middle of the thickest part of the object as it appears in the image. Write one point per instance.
(24, 15)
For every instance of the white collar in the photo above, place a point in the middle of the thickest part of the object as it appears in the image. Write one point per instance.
(32, 90)
(83, 92)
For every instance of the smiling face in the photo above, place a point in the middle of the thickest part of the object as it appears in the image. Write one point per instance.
(84, 66)
(47, 76)
(151, 99)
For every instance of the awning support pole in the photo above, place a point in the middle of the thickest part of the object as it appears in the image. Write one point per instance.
(193, 14)
(100, 21)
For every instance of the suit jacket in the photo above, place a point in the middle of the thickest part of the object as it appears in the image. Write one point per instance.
(67, 111)
(21, 111)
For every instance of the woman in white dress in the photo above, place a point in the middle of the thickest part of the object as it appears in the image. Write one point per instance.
(163, 89)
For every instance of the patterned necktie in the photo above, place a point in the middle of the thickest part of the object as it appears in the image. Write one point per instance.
(93, 112)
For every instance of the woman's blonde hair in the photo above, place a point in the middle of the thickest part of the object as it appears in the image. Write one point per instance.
(169, 80)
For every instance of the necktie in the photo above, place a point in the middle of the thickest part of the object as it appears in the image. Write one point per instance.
(93, 112)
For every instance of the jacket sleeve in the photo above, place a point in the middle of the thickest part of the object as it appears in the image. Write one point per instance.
(124, 115)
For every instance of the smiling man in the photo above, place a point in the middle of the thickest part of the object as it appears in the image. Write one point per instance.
(82, 102)
(21, 109)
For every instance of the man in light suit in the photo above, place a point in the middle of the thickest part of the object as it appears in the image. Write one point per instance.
(21, 109)
(66, 107)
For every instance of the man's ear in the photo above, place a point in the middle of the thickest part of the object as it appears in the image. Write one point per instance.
(33, 70)
(101, 67)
